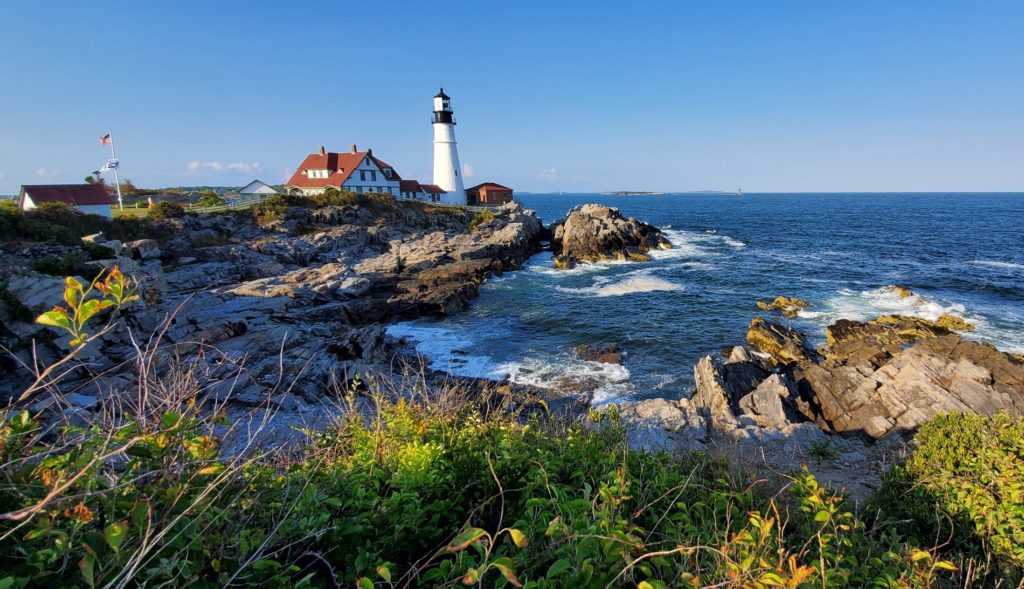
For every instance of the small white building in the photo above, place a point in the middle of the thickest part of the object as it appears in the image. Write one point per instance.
(257, 189)
(413, 190)
(356, 171)
(92, 199)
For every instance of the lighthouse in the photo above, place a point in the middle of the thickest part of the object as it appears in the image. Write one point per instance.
(446, 154)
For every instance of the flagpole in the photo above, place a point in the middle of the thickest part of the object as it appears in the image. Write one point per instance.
(117, 182)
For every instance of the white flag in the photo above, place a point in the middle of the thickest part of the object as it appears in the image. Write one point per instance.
(110, 165)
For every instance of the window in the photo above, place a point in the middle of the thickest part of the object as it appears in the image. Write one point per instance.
(362, 175)
(373, 175)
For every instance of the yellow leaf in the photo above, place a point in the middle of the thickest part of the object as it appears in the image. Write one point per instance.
(945, 565)
(518, 538)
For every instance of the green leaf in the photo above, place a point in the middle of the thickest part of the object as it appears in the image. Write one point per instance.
(644, 585)
(385, 573)
(115, 534)
(557, 568)
(821, 516)
(140, 514)
(214, 468)
(169, 419)
(471, 576)
(88, 567)
(364, 583)
(6, 582)
(518, 538)
(463, 540)
(87, 310)
(55, 318)
(506, 566)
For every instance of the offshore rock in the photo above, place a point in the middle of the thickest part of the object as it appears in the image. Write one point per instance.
(788, 306)
(591, 233)
(609, 353)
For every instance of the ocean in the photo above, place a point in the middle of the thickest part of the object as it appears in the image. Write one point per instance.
(959, 253)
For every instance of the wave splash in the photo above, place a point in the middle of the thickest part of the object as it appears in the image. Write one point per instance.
(628, 283)
(997, 264)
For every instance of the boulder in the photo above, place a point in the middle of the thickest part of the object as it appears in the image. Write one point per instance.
(769, 405)
(783, 345)
(144, 249)
(662, 425)
(608, 353)
(788, 306)
(593, 232)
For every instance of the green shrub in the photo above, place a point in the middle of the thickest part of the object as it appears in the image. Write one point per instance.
(63, 224)
(166, 209)
(74, 263)
(964, 482)
(97, 251)
(481, 218)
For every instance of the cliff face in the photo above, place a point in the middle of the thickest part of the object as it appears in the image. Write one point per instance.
(301, 301)
(593, 232)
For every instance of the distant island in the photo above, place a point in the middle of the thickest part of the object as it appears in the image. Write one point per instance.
(632, 193)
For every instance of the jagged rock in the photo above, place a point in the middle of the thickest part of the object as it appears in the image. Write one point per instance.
(768, 404)
(900, 290)
(144, 249)
(605, 353)
(878, 388)
(788, 306)
(719, 385)
(595, 232)
(782, 344)
(661, 425)
(953, 323)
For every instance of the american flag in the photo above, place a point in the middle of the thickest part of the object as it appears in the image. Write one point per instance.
(105, 140)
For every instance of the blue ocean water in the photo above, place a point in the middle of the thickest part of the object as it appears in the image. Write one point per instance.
(960, 253)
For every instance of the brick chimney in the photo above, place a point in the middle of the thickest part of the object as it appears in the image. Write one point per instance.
(354, 148)
(322, 150)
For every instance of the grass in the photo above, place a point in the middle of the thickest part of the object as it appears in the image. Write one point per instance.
(131, 212)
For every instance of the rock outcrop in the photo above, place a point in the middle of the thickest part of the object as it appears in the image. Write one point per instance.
(887, 375)
(300, 303)
(593, 232)
(608, 353)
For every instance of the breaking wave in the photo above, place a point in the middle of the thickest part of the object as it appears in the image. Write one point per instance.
(628, 283)
(997, 264)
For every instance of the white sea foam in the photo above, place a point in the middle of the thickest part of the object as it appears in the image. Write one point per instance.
(445, 348)
(605, 382)
(868, 304)
(733, 242)
(628, 283)
(997, 264)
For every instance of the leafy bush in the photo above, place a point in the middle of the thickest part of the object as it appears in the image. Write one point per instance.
(481, 218)
(64, 224)
(74, 263)
(964, 482)
(166, 209)
(419, 495)
(97, 251)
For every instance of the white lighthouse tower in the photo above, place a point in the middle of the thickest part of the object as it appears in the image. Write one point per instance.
(446, 154)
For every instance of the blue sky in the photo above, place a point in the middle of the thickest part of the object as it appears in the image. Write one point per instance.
(550, 96)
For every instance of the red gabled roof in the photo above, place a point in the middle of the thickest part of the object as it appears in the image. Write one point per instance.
(340, 166)
(433, 188)
(72, 194)
(409, 186)
(489, 185)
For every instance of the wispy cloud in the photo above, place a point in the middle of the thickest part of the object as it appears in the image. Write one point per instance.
(467, 170)
(216, 166)
(45, 173)
(548, 174)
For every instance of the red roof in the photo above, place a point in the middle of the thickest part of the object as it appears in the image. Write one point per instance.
(432, 188)
(409, 186)
(339, 166)
(72, 194)
(489, 186)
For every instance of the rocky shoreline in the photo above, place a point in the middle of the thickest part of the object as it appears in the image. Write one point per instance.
(285, 315)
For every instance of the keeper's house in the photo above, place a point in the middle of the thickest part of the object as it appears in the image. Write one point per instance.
(356, 171)
(488, 194)
(92, 199)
